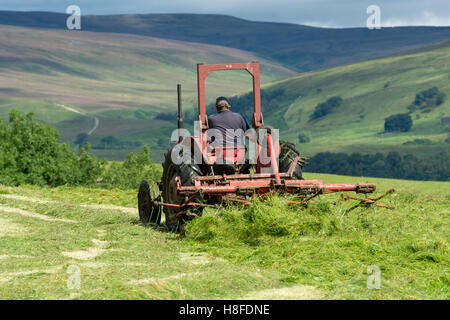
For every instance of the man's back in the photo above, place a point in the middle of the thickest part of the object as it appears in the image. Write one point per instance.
(226, 119)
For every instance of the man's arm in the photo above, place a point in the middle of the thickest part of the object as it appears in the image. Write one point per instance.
(210, 123)
(245, 125)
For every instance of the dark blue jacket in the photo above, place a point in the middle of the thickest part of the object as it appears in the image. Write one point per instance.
(228, 120)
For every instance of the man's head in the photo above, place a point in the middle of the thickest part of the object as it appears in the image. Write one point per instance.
(222, 103)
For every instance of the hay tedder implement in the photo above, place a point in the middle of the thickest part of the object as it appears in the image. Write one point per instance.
(210, 175)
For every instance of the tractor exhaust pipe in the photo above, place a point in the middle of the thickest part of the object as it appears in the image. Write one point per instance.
(180, 115)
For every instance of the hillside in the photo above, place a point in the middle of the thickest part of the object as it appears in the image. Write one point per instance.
(269, 250)
(299, 47)
(78, 80)
(371, 91)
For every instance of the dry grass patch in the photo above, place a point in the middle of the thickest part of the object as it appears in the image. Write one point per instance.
(8, 228)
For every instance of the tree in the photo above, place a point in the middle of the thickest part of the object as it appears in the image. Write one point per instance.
(81, 139)
(428, 99)
(324, 108)
(303, 138)
(398, 122)
(109, 142)
(31, 153)
(130, 173)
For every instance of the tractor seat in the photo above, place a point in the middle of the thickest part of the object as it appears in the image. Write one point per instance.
(226, 158)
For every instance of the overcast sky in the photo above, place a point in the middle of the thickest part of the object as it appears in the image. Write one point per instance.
(327, 13)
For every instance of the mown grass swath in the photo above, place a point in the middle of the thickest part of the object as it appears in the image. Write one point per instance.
(234, 253)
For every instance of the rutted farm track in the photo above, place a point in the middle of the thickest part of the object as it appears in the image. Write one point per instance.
(41, 237)
(96, 120)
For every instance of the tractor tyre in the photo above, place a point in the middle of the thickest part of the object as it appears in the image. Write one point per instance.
(187, 173)
(149, 212)
(287, 156)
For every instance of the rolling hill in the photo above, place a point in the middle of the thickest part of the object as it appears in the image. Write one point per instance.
(298, 47)
(116, 83)
(371, 91)
(73, 80)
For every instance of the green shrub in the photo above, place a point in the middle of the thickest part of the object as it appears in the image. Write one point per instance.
(303, 138)
(81, 139)
(427, 99)
(324, 108)
(112, 142)
(398, 122)
(31, 153)
(130, 173)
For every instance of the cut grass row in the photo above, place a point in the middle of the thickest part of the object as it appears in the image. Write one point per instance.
(231, 254)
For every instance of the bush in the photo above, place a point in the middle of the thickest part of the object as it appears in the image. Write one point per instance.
(324, 108)
(398, 122)
(31, 153)
(130, 173)
(303, 138)
(166, 116)
(428, 99)
(112, 142)
(418, 141)
(81, 139)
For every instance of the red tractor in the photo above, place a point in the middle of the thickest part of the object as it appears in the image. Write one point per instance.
(202, 180)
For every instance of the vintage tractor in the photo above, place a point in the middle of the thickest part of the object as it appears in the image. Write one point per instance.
(199, 174)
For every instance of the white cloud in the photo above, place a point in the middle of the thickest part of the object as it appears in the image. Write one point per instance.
(427, 19)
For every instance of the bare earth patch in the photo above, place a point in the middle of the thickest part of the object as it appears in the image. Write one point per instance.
(34, 215)
(5, 277)
(127, 210)
(98, 249)
(156, 280)
(12, 256)
(194, 258)
(299, 292)
(101, 233)
(93, 265)
(8, 228)
(23, 198)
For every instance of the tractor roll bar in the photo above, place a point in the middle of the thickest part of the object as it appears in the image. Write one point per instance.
(203, 70)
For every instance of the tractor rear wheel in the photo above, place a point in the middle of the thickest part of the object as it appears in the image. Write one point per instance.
(287, 156)
(187, 173)
(149, 212)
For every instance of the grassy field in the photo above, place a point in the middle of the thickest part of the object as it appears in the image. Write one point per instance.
(267, 250)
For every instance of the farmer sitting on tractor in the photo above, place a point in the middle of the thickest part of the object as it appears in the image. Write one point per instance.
(228, 123)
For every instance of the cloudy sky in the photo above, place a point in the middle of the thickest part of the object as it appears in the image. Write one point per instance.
(327, 13)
